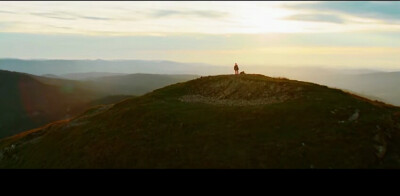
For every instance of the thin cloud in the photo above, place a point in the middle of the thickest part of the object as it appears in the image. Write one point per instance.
(59, 27)
(316, 18)
(195, 13)
(95, 18)
(68, 16)
(7, 12)
(385, 11)
(61, 16)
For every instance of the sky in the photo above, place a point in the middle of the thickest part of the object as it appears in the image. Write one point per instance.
(358, 34)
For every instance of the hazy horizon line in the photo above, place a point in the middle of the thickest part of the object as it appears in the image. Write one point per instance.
(337, 67)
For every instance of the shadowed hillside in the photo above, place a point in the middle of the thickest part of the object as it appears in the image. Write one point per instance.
(227, 121)
(29, 101)
(26, 103)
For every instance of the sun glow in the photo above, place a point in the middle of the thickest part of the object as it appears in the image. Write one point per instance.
(133, 18)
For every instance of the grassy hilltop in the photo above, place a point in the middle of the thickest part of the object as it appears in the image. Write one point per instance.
(225, 121)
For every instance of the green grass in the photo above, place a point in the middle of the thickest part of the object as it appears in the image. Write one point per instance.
(159, 131)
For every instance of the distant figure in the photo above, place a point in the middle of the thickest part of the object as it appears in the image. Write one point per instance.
(242, 72)
(236, 68)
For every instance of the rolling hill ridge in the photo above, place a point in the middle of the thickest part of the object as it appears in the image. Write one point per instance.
(225, 121)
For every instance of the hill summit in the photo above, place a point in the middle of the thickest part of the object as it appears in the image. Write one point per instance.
(225, 121)
(242, 90)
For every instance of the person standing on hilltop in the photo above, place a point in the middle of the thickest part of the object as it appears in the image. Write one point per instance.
(236, 68)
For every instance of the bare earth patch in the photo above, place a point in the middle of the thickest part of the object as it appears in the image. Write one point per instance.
(231, 102)
(241, 91)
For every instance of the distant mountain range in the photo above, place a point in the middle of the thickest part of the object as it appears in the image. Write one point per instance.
(382, 86)
(374, 84)
(65, 67)
(134, 84)
(86, 76)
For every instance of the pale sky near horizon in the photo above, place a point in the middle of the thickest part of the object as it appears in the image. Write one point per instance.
(333, 34)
